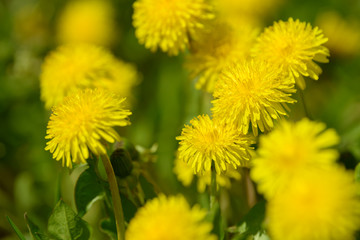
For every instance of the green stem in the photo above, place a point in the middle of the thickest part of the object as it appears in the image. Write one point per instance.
(307, 114)
(118, 211)
(249, 189)
(213, 191)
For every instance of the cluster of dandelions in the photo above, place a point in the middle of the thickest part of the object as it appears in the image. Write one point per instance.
(85, 86)
(309, 195)
(252, 78)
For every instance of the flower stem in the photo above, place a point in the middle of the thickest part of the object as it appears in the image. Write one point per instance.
(213, 192)
(249, 189)
(118, 211)
(307, 114)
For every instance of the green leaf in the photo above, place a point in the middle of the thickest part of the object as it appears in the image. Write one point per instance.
(251, 225)
(16, 229)
(108, 226)
(129, 208)
(88, 189)
(65, 224)
(148, 188)
(34, 230)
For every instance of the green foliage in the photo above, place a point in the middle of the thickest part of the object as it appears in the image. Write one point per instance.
(108, 227)
(34, 230)
(65, 224)
(16, 229)
(87, 190)
(215, 217)
(251, 225)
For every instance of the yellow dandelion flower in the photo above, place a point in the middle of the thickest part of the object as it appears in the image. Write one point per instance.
(169, 218)
(169, 24)
(289, 149)
(319, 204)
(293, 46)
(185, 174)
(208, 142)
(90, 21)
(124, 76)
(214, 50)
(75, 66)
(85, 121)
(344, 35)
(252, 91)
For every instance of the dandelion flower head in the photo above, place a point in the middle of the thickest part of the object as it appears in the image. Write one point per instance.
(293, 46)
(207, 142)
(290, 149)
(319, 204)
(343, 34)
(168, 24)
(185, 174)
(87, 21)
(75, 66)
(124, 77)
(252, 92)
(214, 50)
(85, 120)
(169, 218)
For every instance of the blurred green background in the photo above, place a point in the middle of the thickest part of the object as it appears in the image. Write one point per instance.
(30, 181)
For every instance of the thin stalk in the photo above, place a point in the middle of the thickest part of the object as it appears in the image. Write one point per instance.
(118, 211)
(249, 189)
(306, 111)
(213, 191)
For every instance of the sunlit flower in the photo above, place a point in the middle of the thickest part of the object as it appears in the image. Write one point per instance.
(319, 204)
(169, 24)
(90, 21)
(185, 175)
(217, 48)
(293, 46)
(169, 218)
(124, 76)
(84, 121)
(343, 34)
(252, 92)
(288, 150)
(71, 67)
(207, 142)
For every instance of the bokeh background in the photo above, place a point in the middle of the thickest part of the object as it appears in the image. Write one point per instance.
(165, 99)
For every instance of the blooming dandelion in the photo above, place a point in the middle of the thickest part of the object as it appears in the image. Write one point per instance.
(169, 24)
(79, 66)
(319, 204)
(252, 92)
(293, 46)
(169, 218)
(214, 50)
(89, 21)
(206, 142)
(85, 121)
(185, 174)
(289, 149)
